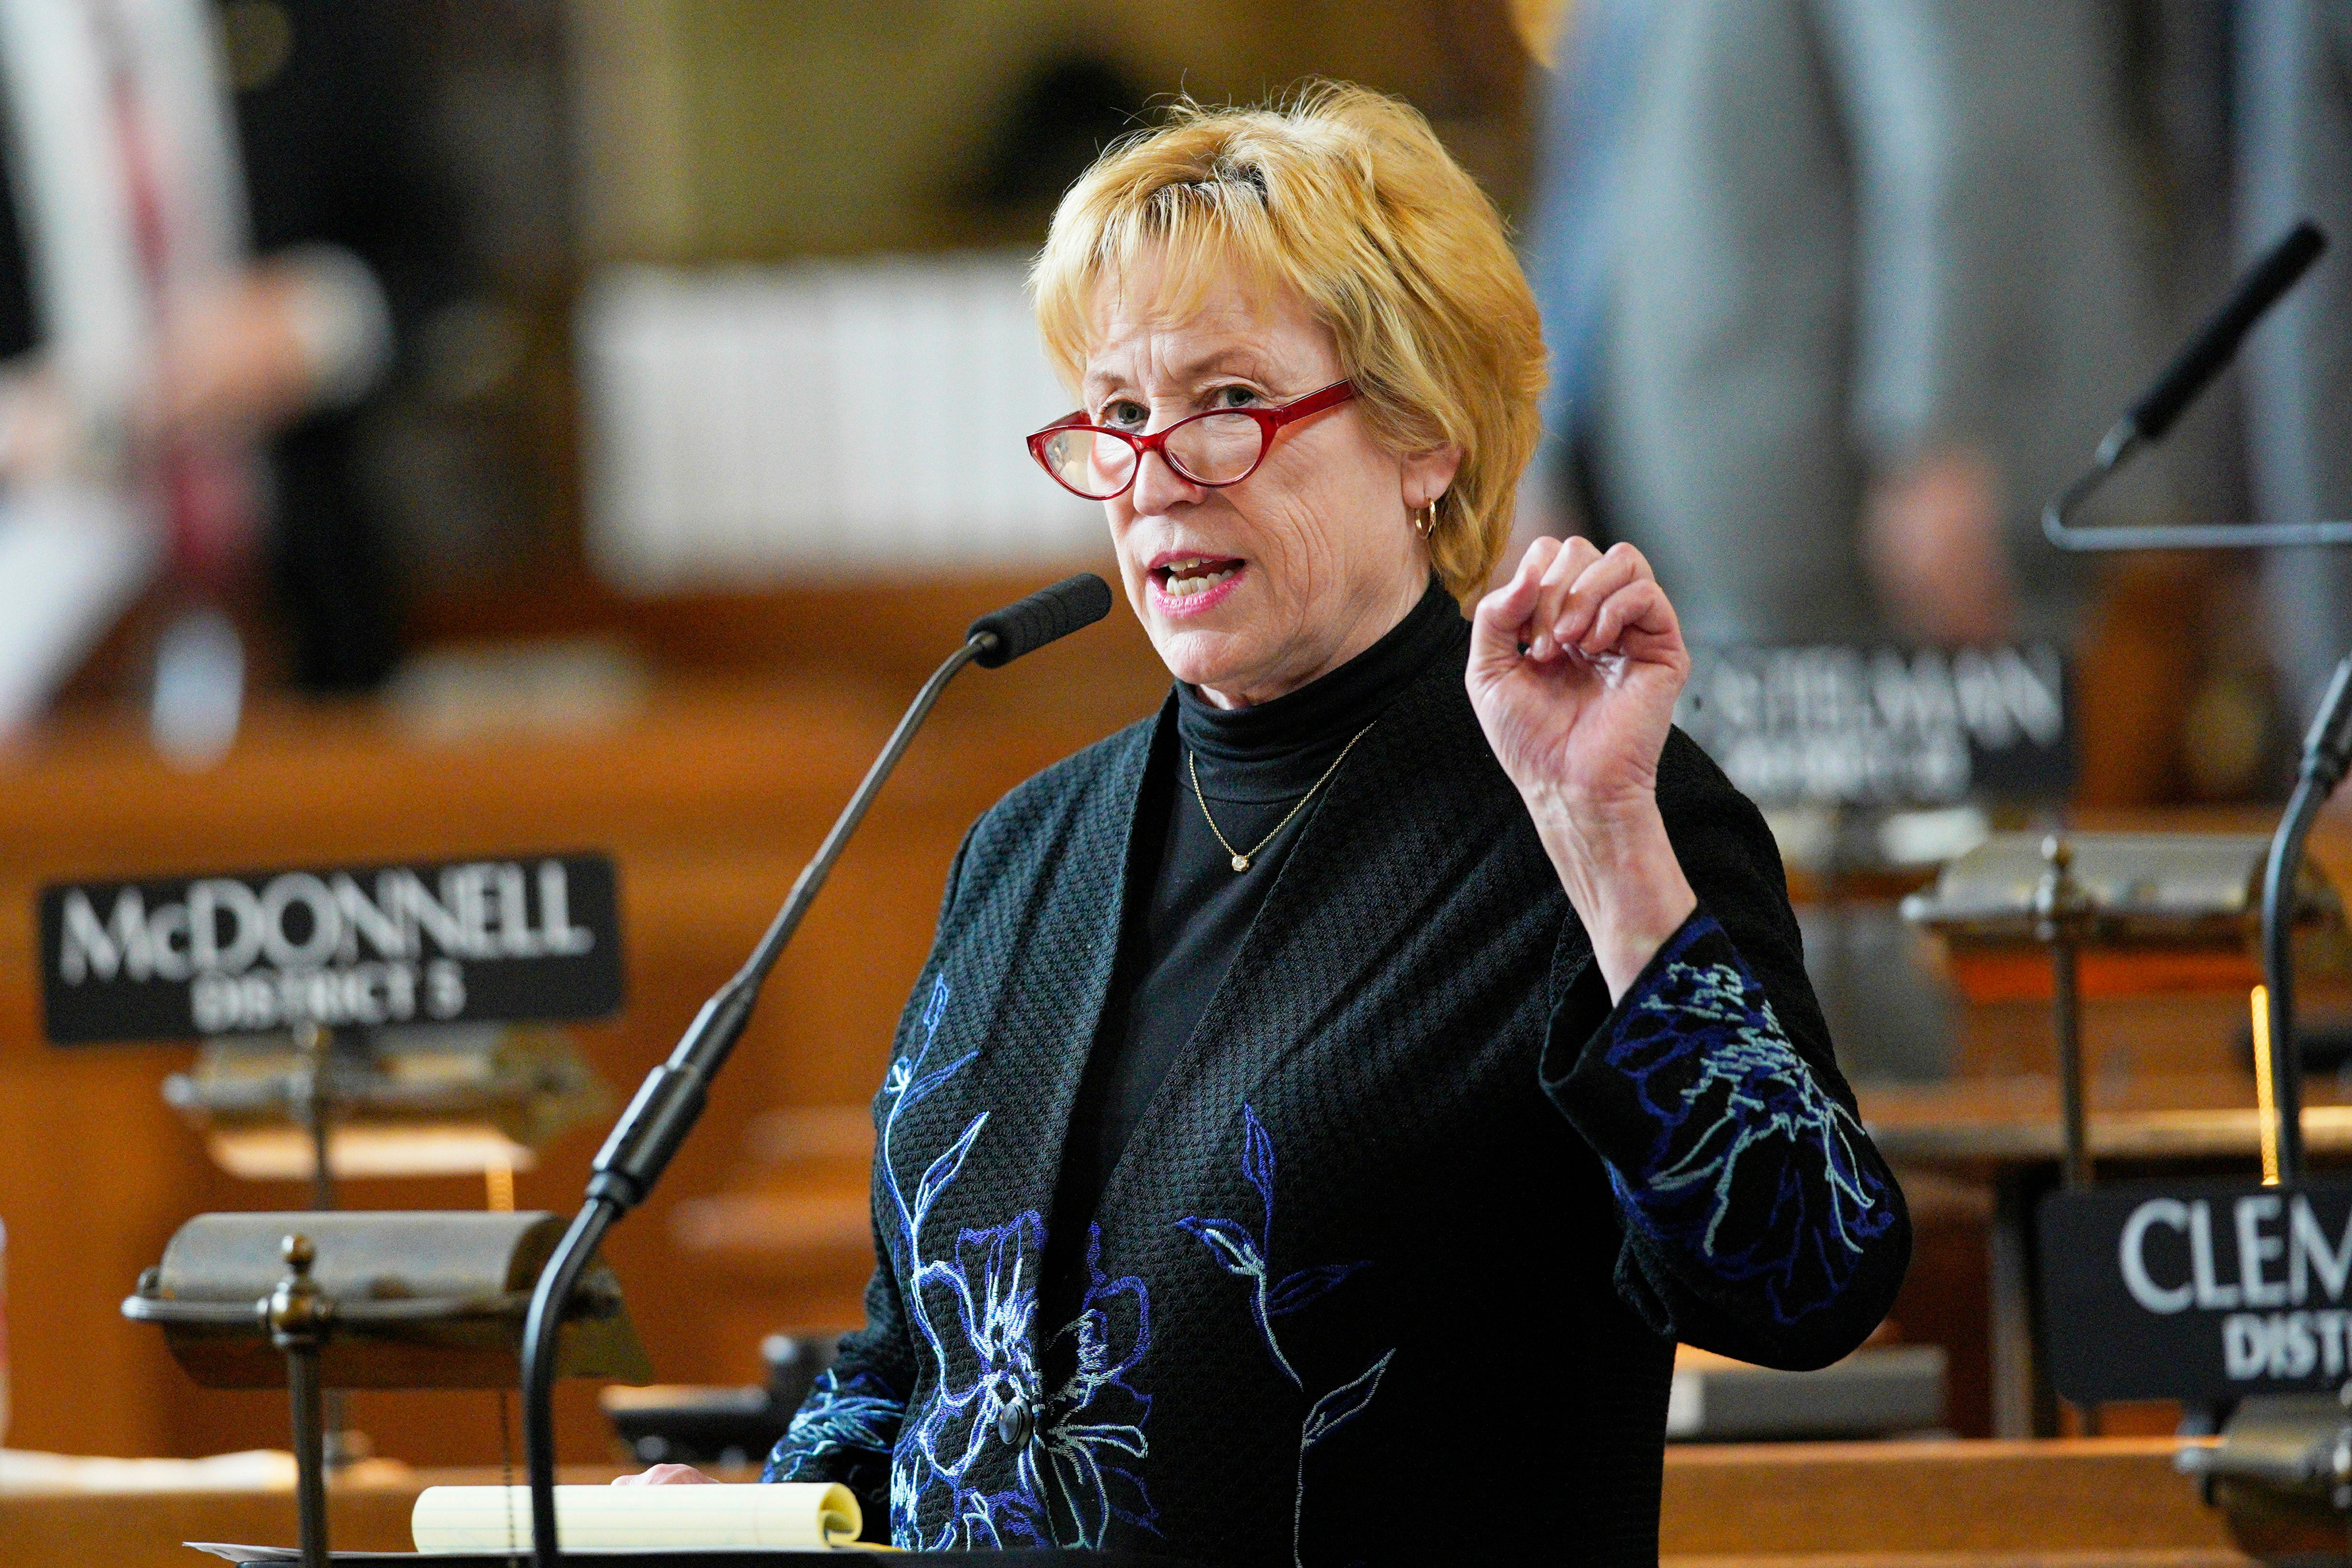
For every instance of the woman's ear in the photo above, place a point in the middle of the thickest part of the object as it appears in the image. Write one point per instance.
(1428, 475)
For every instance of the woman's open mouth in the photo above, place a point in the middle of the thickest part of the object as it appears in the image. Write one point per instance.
(1187, 584)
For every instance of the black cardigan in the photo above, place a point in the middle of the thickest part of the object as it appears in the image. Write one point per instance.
(1400, 1252)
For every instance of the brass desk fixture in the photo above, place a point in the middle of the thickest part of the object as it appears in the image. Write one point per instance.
(2118, 892)
(2063, 919)
(430, 1100)
(332, 1300)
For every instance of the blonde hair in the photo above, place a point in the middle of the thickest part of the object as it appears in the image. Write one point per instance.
(1348, 196)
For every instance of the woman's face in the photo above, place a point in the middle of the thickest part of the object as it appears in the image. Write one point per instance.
(1252, 590)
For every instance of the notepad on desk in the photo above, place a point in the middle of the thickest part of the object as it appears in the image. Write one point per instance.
(777, 1513)
(720, 1519)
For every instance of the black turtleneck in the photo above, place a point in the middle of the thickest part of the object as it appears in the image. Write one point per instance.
(1188, 910)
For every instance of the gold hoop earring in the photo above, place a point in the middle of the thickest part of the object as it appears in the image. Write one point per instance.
(1425, 519)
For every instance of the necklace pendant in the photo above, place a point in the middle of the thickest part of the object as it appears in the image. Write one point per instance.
(1241, 862)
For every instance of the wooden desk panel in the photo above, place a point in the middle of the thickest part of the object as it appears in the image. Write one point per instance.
(146, 1530)
(2068, 1504)
(2193, 1557)
(2075, 1496)
(1984, 1123)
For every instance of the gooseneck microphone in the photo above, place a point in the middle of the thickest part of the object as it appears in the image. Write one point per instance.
(2213, 347)
(2151, 418)
(1049, 613)
(670, 1101)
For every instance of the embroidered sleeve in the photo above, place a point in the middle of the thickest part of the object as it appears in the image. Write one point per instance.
(842, 1432)
(1761, 1221)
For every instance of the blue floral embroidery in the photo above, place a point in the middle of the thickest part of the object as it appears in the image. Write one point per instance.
(1245, 1255)
(974, 1312)
(1095, 1432)
(859, 1415)
(1716, 1072)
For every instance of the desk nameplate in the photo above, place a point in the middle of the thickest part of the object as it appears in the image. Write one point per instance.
(2198, 1292)
(490, 940)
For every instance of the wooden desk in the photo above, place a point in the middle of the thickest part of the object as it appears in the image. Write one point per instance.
(1984, 1126)
(41, 1527)
(2104, 1499)
(1805, 1505)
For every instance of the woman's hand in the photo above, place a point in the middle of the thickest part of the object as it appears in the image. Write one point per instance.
(1575, 664)
(667, 1475)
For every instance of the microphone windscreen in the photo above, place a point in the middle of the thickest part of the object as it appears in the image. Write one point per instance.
(2212, 348)
(1029, 624)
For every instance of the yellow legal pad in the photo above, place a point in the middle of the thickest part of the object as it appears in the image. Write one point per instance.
(749, 1515)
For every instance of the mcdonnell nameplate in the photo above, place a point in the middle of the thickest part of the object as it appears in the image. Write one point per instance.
(527, 937)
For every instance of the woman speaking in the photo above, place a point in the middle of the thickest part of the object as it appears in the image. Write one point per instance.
(1327, 1103)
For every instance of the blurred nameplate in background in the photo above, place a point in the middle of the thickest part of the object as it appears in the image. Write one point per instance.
(529, 937)
(749, 426)
(2198, 1292)
(1852, 726)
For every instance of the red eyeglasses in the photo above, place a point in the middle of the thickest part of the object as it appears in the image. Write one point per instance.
(1221, 448)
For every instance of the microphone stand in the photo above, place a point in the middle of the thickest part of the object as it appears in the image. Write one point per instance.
(2183, 381)
(2327, 748)
(2121, 442)
(2326, 751)
(671, 1100)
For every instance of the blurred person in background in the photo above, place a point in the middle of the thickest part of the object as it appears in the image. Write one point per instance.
(1870, 278)
(352, 239)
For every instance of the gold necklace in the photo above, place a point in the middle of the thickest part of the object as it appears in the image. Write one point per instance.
(1241, 860)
